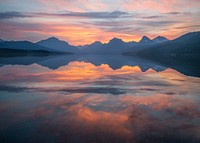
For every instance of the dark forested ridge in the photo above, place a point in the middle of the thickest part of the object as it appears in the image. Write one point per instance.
(24, 48)
(186, 45)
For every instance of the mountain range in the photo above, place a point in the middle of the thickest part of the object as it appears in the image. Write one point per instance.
(186, 44)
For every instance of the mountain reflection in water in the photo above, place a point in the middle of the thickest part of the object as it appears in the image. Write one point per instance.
(185, 66)
(97, 99)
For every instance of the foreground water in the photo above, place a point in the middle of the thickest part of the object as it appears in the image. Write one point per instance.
(84, 103)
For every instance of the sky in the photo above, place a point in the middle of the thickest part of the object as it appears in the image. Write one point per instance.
(82, 22)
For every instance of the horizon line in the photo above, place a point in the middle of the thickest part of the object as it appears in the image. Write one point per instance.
(99, 40)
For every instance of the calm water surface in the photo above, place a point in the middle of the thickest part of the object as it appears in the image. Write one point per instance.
(84, 103)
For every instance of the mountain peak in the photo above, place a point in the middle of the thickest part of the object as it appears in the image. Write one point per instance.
(56, 44)
(97, 42)
(160, 39)
(114, 40)
(53, 38)
(145, 39)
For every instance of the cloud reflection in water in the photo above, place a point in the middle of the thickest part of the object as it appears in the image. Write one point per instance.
(84, 103)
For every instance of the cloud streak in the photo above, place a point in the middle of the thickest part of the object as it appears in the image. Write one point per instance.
(87, 15)
(13, 14)
(95, 15)
(68, 14)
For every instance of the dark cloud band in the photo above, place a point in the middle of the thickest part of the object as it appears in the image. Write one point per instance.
(95, 15)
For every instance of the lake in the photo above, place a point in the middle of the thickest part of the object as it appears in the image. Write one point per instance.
(98, 99)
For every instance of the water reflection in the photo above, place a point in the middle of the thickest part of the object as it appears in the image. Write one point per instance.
(113, 61)
(82, 102)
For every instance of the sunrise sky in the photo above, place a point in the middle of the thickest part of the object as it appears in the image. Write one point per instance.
(84, 21)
